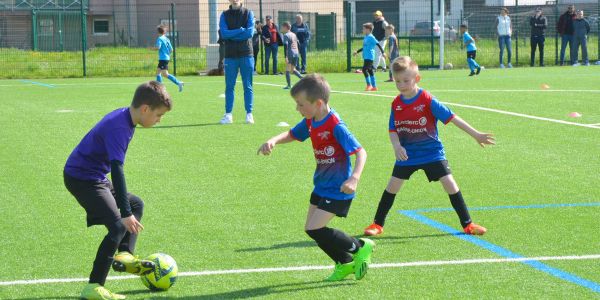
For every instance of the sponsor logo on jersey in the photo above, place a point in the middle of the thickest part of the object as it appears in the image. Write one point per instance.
(419, 108)
(324, 135)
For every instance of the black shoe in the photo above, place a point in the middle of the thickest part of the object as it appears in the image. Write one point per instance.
(472, 73)
(478, 71)
(389, 80)
(303, 72)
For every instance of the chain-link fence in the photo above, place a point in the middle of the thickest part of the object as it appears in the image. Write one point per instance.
(44, 38)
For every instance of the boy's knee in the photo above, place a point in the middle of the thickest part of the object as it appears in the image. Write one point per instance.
(136, 202)
(116, 231)
(317, 234)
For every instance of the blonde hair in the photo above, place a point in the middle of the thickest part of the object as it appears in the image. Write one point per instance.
(392, 28)
(403, 64)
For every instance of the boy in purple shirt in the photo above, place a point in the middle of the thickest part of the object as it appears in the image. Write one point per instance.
(107, 203)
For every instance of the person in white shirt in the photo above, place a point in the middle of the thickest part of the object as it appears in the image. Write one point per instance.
(504, 28)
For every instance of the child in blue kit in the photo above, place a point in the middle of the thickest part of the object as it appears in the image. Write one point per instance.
(368, 50)
(471, 50)
(335, 181)
(414, 115)
(107, 202)
(163, 44)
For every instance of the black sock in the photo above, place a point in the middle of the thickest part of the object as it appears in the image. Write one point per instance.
(104, 256)
(385, 204)
(137, 208)
(287, 78)
(335, 243)
(297, 74)
(461, 208)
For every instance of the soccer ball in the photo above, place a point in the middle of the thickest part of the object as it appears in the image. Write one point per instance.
(448, 66)
(165, 274)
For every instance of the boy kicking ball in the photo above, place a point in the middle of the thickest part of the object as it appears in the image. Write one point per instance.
(107, 203)
(335, 181)
(414, 136)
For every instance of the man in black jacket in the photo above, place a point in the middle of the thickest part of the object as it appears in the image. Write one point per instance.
(564, 26)
(303, 34)
(379, 25)
(538, 23)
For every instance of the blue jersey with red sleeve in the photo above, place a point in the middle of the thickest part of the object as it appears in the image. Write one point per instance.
(415, 122)
(333, 144)
(107, 141)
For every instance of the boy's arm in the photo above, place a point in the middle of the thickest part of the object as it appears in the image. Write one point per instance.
(399, 151)
(381, 49)
(481, 138)
(349, 186)
(282, 138)
(545, 25)
(249, 29)
(118, 180)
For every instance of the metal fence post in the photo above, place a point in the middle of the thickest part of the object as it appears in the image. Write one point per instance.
(34, 39)
(348, 37)
(431, 30)
(261, 43)
(517, 33)
(174, 35)
(556, 36)
(83, 38)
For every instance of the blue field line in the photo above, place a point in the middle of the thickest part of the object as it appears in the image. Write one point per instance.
(38, 83)
(558, 205)
(503, 252)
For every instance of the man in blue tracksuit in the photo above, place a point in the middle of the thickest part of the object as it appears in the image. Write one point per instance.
(237, 28)
(303, 34)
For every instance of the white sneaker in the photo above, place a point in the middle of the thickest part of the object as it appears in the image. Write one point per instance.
(587, 64)
(227, 119)
(576, 65)
(501, 66)
(249, 118)
(180, 85)
(509, 65)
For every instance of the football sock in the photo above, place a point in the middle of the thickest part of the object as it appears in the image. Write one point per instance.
(104, 256)
(129, 240)
(297, 74)
(336, 238)
(287, 78)
(385, 204)
(373, 80)
(173, 79)
(367, 79)
(461, 208)
(159, 78)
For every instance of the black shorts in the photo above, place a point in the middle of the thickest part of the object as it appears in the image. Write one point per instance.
(292, 60)
(367, 65)
(97, 198)
(163, 64)
(472, 54)
(338, 207)
(434, 170)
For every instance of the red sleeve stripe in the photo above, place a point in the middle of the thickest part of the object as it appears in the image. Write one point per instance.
(354, 152)
(450, 119)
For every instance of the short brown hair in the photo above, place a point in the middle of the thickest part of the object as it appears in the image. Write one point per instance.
(153, 94)
(287, 25)
(368, 26)
(404, 63)
(314, 87)
(504, 9)
(161, 29)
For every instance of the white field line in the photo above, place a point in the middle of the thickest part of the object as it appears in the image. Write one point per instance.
(311, 268)
(504, 112)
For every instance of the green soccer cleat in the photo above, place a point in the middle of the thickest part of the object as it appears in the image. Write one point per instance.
(362, 258)
(341, 271)
(94, 291)
(126, 262)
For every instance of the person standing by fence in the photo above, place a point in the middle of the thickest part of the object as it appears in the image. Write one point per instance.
(564, 26)
(581, 28)
(504, 28)
(270, 36)
(538, 27)
(379, 25)
(236, 26)
(303, 34)
(256, 42)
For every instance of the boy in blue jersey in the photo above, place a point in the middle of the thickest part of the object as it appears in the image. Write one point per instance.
(163, 44)
(107, 203)
(417, 146)
(368, 50)
(335, 181)
(471, 50)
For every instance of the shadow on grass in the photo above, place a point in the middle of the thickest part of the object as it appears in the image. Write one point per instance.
(46, 298)
(263, 291)
(310, 243)
(184, 125)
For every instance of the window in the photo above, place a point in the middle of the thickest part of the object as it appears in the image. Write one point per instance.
(101, 27)
(46, 27)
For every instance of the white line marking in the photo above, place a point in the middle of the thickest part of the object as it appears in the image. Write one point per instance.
(65, 111)
(311, 268)
(504, 112)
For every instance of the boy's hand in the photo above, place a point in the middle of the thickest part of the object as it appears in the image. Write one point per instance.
(354, 53)
(266, 148)
(401, 153)
(132, 224)
(267, 41)
(485, 139)
(349, 186)
(287, 61)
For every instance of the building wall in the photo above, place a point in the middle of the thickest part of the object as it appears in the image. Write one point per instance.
(15, 30)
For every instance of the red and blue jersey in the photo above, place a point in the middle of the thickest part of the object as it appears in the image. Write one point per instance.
(107, 141)
(333, 144)
(415, 122)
